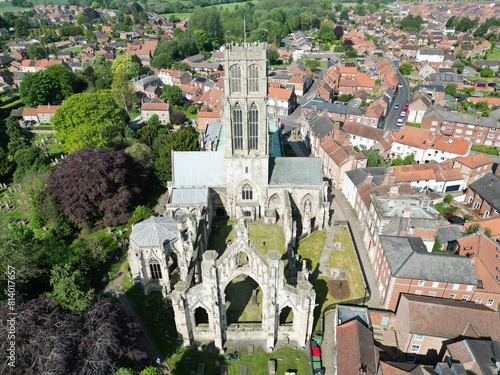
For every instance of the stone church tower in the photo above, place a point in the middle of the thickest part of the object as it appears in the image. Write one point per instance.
(246, 134)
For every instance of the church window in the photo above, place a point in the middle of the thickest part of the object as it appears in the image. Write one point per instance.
(235, 78)
(253, 128)
(154, 267)
(247, 192)
(253, 78)
(246, 169)
(238, 127)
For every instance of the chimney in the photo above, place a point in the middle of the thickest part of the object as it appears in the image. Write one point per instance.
(369, 178)
(394, 191)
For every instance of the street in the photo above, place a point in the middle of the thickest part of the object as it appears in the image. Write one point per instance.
(402, 97)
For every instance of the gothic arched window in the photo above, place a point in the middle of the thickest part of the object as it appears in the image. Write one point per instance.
(247, 192)
(238, 127)
(253, 78)
(235, 78)
(155, 268)
(253, 127)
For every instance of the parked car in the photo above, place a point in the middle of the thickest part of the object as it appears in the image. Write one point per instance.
(400, 122)
(403, 114)
(396, 106)
(405, 108)
(400, 85)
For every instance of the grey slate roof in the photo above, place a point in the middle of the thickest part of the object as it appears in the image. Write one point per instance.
(154, 231)
(295, 171)
(449, 233)
(189, 196)
(358, 176)
(320, 125)
(492, 121)
(322, 104)
(488, 188)
(408, 258)
(198, 169)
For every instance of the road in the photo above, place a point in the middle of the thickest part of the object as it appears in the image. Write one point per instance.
(402, 97)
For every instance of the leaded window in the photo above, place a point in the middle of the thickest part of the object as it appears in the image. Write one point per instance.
(155, 268)
(238, 127)
(253, 78)
(253, 127)
(247, 192)
(235, 78)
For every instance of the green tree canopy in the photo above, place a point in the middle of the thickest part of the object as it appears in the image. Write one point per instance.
(83, 120)
(208, 20)
(406, 68)
(123, 91)
(172, 94)
(185, 139)
(129, 64)
(451, 90)
(487, 73)
(70, 291)
(37, 89)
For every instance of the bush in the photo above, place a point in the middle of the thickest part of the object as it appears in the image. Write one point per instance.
(141, 213)
(448, 198)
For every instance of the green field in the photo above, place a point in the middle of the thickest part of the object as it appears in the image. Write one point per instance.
(8, 7)
(494, 54)
(229, 6)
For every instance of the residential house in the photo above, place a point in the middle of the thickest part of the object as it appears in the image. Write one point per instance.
(156, 107)
(475, 355)
(485, 252)
(476, 129)
(492, 64)
(429, 176)
(473, 166)
(205, 118)
(403, 264)
(483, 195)
(354, 350)
(437, 92)
(425, 71)
(430, 55)
(364, 136)
(427, 146)
(420, 330)
(46, 112)
(147, 85)
(418, 107)
(281, 101)
(174, 77)
(33, 66)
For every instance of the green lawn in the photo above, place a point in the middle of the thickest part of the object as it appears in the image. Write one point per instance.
(287, 359)
(347, 260)
(264, 237)
(311, 248)
(181, 16)
(494, 54)
(8, 7)
(74, 49)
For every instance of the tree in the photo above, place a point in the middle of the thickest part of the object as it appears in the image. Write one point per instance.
(185, 139)
(123, 91)
(397, 161)
(406, 68)
(36, 52)
(5, 163)
(83, 119)
(97, 341)
(437, 245)
(373, 156)
(487, 73)
(451, 90)
(210, 21)
(409, 160)
(69, 289)
(338, 31)
(141, 213)
(147, 134)
(81, 18)
(18, 140)
(154, 120)
(98, 187)
(274, 57)
(344, 15)
(172, 94)
(178, 118)
(411, 23)
(66, 80)
(37, 89)
(141, 152)
(346, 98)
(130, 65)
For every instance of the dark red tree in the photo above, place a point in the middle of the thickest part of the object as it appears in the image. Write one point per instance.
(51, 340)
(177, 118)
(98, 187)
(338, 31)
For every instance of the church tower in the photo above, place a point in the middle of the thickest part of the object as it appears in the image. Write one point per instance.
(246, 135)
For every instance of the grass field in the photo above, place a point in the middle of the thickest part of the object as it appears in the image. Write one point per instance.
(8, 7)
(347, 260)
(494, 54)
(263, 237)
(229, 6)
(311, 248)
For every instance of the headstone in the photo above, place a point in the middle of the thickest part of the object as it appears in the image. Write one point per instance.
(243, 370)
(271, 367)
(250, 350)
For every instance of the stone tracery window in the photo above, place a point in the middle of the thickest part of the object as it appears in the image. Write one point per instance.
(253, 127)
(253, 78)
(235, 78)
(238, 127)
(247, 192)
(155, 269)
